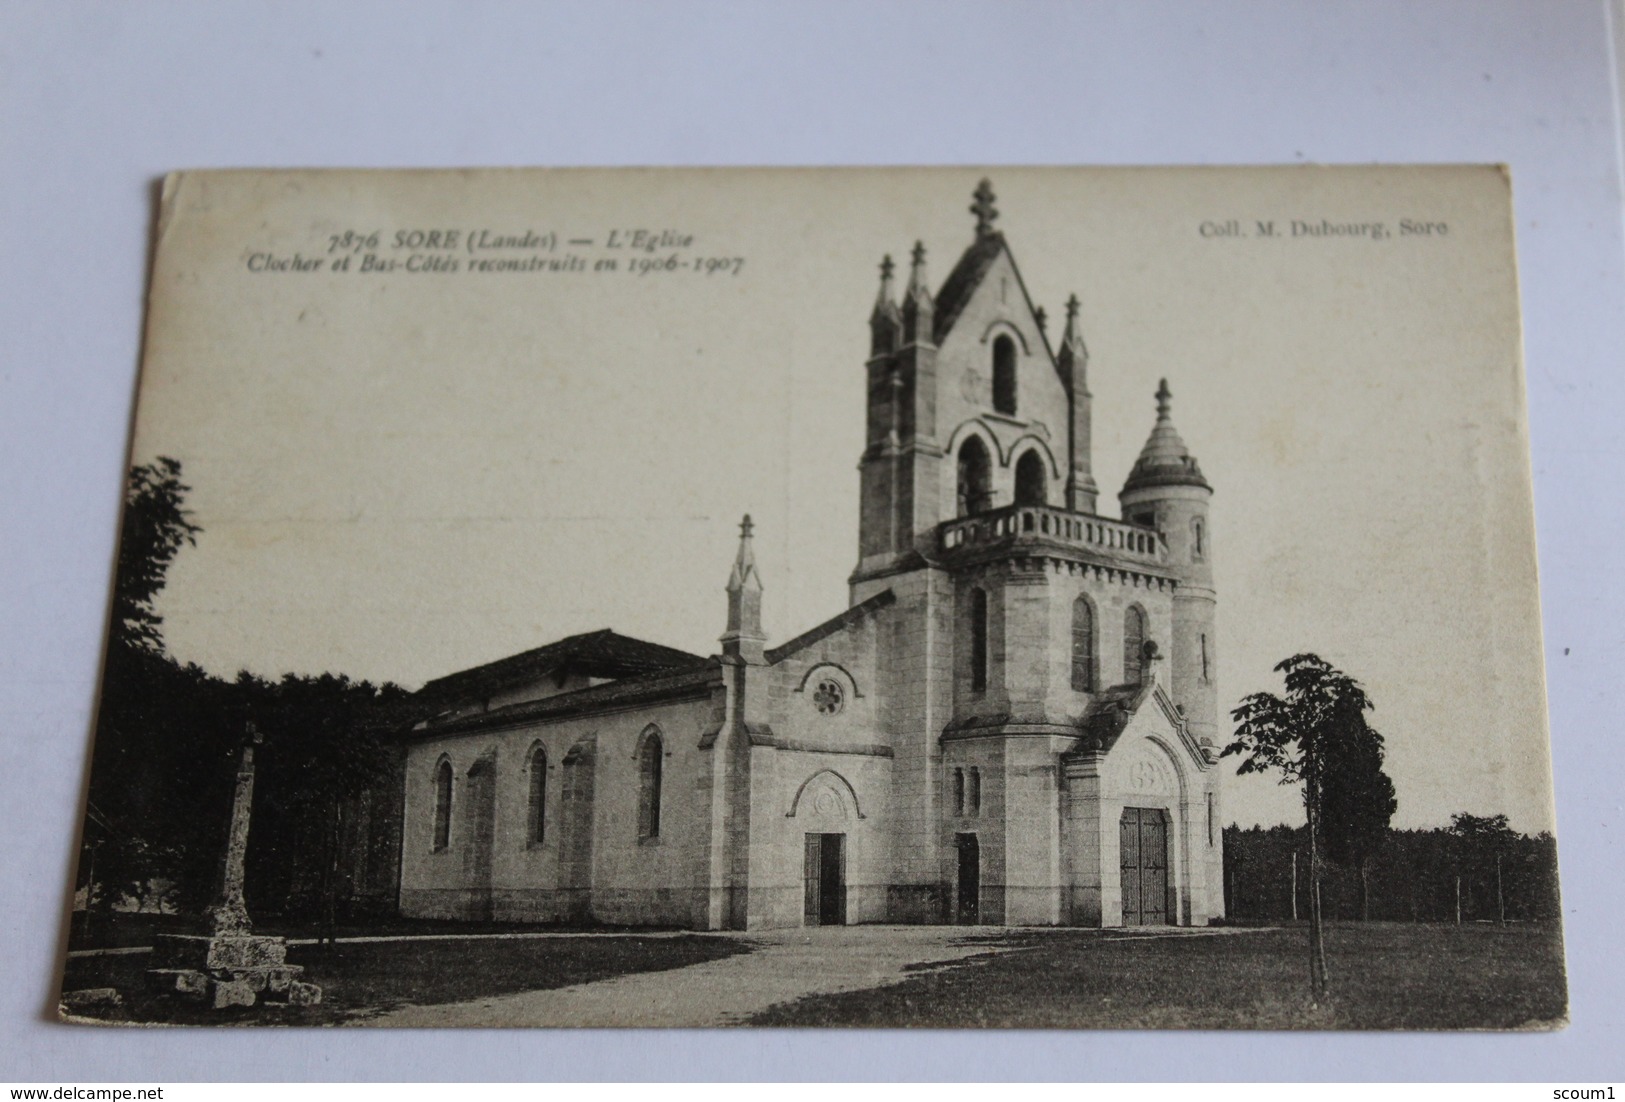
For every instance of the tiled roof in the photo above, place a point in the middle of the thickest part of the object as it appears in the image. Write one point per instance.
(603, 653)
(697, 678)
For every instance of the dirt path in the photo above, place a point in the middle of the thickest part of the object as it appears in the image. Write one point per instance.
(786, 965)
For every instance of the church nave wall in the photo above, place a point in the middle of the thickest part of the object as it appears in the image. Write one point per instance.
(594, 857)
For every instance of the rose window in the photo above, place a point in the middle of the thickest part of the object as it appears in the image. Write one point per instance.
(828, 698)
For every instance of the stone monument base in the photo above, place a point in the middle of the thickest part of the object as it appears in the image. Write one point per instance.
(228, 970)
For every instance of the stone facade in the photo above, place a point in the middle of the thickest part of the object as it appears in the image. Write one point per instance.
(1013, 722)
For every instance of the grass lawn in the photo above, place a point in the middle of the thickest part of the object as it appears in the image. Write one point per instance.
(358, 980)
(1384, 976)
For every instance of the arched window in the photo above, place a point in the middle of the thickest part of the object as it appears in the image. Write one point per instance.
(978, 640)
(1205, 674)
(1004, 375)
(1134, 646)
(1031, 480)
(959, 792)
(536, 829)
(649, 765)
(973, 792)
(1198, 540)
(442, 805)
(1083, 646)
(975, 478)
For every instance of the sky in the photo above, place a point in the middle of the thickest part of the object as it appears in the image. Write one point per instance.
(403, 473)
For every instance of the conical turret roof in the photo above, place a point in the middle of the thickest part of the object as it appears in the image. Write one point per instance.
(1165, 460)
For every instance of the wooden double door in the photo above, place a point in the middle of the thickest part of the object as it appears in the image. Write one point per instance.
(1143, 855)
(823, 880)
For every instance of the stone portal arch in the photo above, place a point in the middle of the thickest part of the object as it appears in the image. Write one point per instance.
(826, 794)
(1148, 767)
(1150, 788)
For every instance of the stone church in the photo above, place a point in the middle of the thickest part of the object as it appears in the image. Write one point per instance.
(1013, 722)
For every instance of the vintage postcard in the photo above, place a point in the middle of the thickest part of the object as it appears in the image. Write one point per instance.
(1091, 598)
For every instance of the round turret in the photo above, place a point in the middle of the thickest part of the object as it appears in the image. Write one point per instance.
(1164, 461)
(1167, 491)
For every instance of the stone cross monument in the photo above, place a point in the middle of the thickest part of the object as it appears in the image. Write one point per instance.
(229, 914)
(232, 966)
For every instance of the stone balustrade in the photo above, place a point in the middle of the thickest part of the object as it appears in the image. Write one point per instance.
(1017, 524)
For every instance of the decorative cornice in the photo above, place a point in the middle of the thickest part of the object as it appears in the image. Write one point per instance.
(1002, 724)
(801, 746)
(1008, 730)
(1068, 560)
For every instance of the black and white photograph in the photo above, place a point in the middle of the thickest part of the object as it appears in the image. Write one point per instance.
(1058, 598)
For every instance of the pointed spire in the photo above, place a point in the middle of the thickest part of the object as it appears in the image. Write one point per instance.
(916, 272)
(744, 637)
(1074, 355)
(983, 208)
(917, 303)
(886, 322)
(1072, 333)
(744, 573)
(1073, 362)
(1165, 460)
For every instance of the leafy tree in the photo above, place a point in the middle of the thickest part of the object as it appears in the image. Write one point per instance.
(155, 527)
(153, 724)
(1296, 735)
(1357, 800)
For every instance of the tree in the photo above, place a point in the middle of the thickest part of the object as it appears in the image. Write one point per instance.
(1482, 841)
(155, 526)
(1358, 801)
(326, 743)
(152, 736)
(1297, 735)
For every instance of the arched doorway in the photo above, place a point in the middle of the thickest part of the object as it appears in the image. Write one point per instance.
(822, 808)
